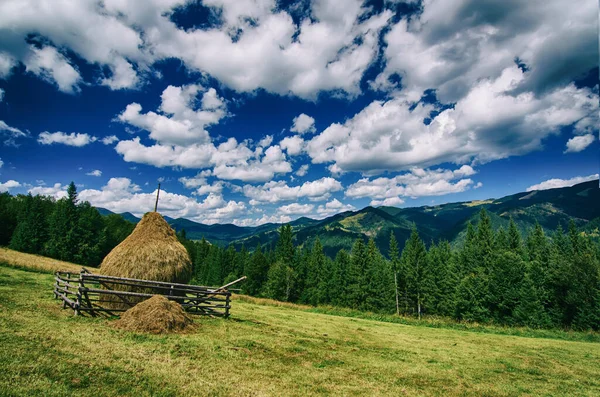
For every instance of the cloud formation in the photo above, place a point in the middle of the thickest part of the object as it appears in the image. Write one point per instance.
(556, 182)
(579, 143)
(73, 139)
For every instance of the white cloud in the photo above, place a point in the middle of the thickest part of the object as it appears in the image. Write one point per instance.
(296, 209)
(452, 44)
(292, 144)
(263, 169)
(257, 46)
(57, 191)
(277, 218)
(10, 184)
(579, 143)
(94, 173)
(333, 207)
(72, 139)
(109, 140)
(274, 192)
(195, 181)
(1, 94)
(54, 67)
(489, 123)
(556, 183)
(11, 133)
(303, 170)
(190, 156)
(303, 124)
(178, 123)
(266, 141)
(121, 195)
(1, 163)
(390, 201)
(417, 183)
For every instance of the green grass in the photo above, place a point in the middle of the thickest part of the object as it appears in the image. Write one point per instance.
(271, 350)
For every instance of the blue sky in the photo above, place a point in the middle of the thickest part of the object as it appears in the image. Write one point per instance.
(255, 111)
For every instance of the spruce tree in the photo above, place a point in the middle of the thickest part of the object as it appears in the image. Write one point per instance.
(355, 293)
(414, 263)
(395, 263)
(256, 271)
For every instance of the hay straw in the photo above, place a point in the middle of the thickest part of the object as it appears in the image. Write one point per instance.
(157, 315)
(150, 252)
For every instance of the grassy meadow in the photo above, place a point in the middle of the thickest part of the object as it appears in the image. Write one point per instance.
(271, 349)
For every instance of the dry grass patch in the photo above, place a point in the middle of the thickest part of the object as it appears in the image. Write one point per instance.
(36, 262)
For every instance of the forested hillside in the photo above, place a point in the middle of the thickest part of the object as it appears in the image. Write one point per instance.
(63, 229)
(494, 273)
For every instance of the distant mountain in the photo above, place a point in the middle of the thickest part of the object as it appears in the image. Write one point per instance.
(446, 221)
(126, 215)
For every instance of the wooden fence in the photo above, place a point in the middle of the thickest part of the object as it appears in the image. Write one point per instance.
(94, 294)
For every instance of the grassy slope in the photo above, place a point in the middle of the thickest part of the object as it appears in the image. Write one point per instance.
(270, 350)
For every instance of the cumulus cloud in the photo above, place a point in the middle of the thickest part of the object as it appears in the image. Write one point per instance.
(122, 195)
(489, 123)
(417, 183)
(303, 170)
(196, 181)
(274, 192)
(296, 209)
(303, 124)
(57, 191)
(52, 66)
(293, 145)
(579, 143)
(109, 140)
(94, 173)
(72, 139)
(256, 46)
(556, 182)
(181, 139)
(333, 207)
(390, 201)
(178, 122)
(452, 44)
(277, 218)
(10, 184)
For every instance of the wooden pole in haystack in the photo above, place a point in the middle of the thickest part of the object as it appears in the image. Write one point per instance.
(157, 194)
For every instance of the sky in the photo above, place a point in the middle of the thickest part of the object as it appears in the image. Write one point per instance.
(256, 111)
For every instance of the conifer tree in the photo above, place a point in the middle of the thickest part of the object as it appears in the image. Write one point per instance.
(515, 243)
(355, 285)
(256, 271)
(414, 263)
(395, 262)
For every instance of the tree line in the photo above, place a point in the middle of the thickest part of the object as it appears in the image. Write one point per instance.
(64, 229)
(494, 276)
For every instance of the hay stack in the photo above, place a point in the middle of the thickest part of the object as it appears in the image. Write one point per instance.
(150, 252)
(157, 315)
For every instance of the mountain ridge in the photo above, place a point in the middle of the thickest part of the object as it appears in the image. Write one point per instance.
(440, 222)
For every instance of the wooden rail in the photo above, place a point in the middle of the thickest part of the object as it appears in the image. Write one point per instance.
(93, 294)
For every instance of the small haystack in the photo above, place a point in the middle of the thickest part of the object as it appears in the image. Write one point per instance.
(157, 315)
(150, 252)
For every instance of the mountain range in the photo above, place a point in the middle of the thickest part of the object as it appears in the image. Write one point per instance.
(446, 221)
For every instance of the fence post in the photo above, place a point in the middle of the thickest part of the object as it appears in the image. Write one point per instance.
(79, 291)
(227, 304)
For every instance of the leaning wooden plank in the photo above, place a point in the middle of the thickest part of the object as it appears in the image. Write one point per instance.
(103, 277)
(161, 288)
(71, 303)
